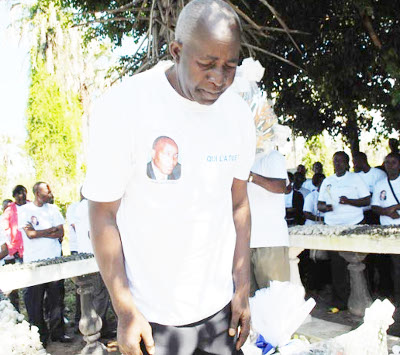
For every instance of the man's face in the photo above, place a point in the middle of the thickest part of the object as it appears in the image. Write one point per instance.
(206, 64)
(392, 166)
(302, 170)
(44, 193)
(165, 156)
(317, 168)
(20, 197)
(340, 164)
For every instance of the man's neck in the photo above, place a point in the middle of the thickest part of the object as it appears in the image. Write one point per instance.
(393, 176)
(37, 203)
(341, 174)
(366, 169)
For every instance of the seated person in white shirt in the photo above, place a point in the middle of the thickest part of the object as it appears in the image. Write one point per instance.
(386, 203)
(341, 198)
(370, 176)
(317, 168)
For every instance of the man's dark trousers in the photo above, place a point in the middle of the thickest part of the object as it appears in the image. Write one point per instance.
(34, 302)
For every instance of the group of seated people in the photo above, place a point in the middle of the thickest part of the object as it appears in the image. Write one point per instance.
(369, 195)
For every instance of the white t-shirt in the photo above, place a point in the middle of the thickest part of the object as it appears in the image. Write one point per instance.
(371, 178)
(71, 219)
(178, 235)
(383, 197)
(350, 185)
(82, 227)
(268, 225)
(41, 218)
(309, 185)
(310, 205)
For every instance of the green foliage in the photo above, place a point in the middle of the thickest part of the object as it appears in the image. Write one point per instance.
(318, 150)
(54, 138)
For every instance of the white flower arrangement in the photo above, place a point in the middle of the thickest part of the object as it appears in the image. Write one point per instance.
(17, 336)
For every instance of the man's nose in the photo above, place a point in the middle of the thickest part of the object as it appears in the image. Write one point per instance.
(217, 76)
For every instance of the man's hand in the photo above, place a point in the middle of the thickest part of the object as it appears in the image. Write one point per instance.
(131, 330)
(240, 318)
(343, 200)
(392, 212)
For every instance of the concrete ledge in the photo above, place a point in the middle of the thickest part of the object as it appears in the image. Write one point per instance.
(15, 279)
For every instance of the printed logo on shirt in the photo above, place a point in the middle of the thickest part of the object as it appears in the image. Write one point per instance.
(164, 166)
(382, 195)
(222, 158)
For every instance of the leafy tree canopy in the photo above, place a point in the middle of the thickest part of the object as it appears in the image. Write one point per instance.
(344, 53)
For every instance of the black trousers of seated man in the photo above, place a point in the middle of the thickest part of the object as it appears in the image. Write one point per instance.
(34, 301)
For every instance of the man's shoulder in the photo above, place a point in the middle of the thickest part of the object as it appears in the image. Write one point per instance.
(381, 183)
(130, 87)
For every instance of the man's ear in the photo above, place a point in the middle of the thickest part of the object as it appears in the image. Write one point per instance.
(175, 49)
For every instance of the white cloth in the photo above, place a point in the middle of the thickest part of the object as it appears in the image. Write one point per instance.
(178, 235)
(268, 225)
(41, 218)
(83, 227)
(71, 220)
(309, 185)
(383, 197)
(310, 205)
(333, 187)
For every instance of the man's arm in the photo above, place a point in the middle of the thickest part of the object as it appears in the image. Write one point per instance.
(53, 232)
(312, 217)
(356, 202)
(132, 326)
(241, 263)
(390, 211)
(323, 207)
(274, 185)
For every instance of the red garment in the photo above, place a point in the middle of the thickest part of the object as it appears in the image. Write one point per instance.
(10, 225)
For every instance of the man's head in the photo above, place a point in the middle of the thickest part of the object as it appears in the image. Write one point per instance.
(298, 180)
(19, 193)
(165, 154)
(341, 163)
(205, 50)
(317, 168)
(392, 165)
(317, 179)
(6, 203)
(302, 169)
(360, 162)
(42, 193)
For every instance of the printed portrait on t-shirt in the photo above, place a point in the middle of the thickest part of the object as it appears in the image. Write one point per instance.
(383, 195)
(164, 165)
(34, 221)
